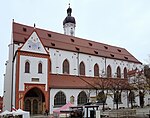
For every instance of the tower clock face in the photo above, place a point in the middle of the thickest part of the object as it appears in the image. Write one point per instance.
(34, 44)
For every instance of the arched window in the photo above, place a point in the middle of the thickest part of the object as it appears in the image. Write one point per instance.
(101, 97)
(96, 70)
(82, 68)
(40, 68)
(118, 72)
(27, 67)
(108, 71)
(125, 72)
(66, 66)
(117, 97)
(131, 97)
(82, 98)
(59, 99)
(27, 106)
(72, 99)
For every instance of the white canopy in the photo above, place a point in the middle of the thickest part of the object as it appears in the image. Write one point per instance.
(6, 112)
(25, 114)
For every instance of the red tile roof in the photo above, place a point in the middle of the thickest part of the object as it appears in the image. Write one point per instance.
(58, 81)
(64, 42)
(134, 72)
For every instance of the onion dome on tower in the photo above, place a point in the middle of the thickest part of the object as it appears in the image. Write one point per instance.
(69, 23)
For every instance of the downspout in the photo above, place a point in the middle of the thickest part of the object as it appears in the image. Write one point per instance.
(12, 78)
(78, 63)
(105, 67)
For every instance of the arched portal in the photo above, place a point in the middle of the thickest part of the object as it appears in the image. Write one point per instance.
(34, 101)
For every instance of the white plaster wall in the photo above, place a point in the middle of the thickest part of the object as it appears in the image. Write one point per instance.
(133, 66)
(27, 77)
(122, 65)
(8, 80)
(67, 92)
(7, 87)
(75, 92)
(58, 56)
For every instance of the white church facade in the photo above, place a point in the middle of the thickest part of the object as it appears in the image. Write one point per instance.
(46, 70)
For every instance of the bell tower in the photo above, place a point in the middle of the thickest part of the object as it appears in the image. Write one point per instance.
(69, 23)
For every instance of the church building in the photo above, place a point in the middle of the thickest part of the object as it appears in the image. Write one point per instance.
(46, 70)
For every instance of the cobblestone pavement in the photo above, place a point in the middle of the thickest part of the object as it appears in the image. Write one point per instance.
(42, 116)
(140, 113)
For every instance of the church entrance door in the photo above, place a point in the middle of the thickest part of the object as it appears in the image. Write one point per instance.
(34, 101)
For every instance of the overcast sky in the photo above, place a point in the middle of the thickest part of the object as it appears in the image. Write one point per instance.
(123, 23)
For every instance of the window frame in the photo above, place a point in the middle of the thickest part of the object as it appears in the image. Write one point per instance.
(82, 98)
(66, 67)
(40, 68)
(109, 71)
(96, 70)
(118, 72)
(27, 67)
(59, 99)
(82, 69)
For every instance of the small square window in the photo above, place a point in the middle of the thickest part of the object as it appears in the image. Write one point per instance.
(72, 40)
(119, 50)
(25, 39)
(111, 55)
(24, 29)
(77, 48)
(105, 47)
(96, 52)
(53, 44)
(90, 44)
(49, 35)
(126, 57)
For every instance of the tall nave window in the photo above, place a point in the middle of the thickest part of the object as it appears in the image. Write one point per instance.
(40, 68)
(108, 71)
(96, 70)
(125, 72)
(27, 67)
(118, 72)
(82, 68)
(66, 67)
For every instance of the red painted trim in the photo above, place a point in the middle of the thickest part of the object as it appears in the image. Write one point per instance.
(17, 80)
(23, 93)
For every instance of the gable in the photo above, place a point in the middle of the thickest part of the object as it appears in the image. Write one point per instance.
(34, 44)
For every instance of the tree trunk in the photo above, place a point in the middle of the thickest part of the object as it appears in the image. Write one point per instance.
(103, 106)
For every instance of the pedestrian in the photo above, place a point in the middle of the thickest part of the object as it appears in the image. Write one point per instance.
(46, 112)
